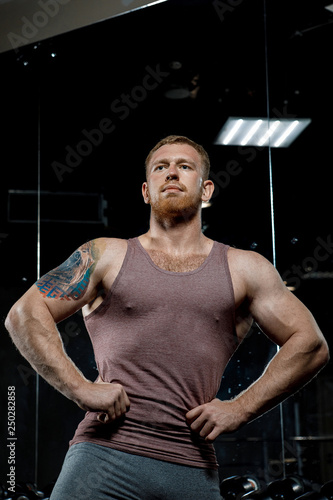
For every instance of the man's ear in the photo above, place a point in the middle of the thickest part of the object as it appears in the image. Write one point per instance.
(207, 190)
(145, 193)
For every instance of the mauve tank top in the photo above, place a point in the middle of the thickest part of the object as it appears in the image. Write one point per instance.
(167, 338)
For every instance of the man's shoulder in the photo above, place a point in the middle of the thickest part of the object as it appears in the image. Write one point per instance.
(254, 271)
(109, 256)
(245, 256)
(112, 244)
(248, 262)
(110, 249)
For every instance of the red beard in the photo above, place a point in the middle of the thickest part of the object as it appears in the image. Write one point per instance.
(175, 208)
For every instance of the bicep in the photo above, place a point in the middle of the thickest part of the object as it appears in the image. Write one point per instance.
(67, 288)
(278, 312)
(282, 316)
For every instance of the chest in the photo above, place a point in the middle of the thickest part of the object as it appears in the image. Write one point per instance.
(178, 264)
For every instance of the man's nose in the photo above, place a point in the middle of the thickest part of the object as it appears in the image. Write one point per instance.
(172, 172)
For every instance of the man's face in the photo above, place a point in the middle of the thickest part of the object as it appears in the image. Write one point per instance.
(174, 186)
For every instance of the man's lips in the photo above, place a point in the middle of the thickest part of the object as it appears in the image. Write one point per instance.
(172, 187)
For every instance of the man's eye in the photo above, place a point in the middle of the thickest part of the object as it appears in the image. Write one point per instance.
(185, 166)
(159, 167)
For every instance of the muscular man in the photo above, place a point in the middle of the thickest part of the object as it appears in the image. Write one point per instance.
(165, 312)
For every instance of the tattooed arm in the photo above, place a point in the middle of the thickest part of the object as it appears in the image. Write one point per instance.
(58, 294)
(71, 279)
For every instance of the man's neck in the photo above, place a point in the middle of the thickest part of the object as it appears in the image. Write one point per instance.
(183, 238)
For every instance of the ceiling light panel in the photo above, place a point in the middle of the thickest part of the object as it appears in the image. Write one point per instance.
(261, 132)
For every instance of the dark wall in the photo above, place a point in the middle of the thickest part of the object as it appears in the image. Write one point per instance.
(78, 118)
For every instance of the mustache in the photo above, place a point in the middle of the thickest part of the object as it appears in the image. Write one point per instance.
(178, 185)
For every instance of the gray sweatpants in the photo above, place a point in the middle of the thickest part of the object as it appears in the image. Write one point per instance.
(93, 472)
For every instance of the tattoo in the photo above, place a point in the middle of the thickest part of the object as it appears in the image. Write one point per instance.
(70, 280)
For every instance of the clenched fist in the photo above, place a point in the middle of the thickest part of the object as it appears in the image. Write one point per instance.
(110, 399)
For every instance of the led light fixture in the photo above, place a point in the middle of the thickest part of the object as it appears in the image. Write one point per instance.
(261, 132)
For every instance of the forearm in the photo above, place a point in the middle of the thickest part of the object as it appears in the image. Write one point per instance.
(294, 365)
(38, 340)
(291, 368)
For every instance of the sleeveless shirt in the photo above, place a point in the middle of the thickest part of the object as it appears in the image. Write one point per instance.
(167, 338)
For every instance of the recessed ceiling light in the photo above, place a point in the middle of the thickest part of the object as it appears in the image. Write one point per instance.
(261, 132)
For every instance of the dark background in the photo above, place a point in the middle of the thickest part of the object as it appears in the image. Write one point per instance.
(233, 58)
